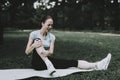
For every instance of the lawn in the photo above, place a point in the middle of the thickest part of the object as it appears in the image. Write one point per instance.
(69, 45)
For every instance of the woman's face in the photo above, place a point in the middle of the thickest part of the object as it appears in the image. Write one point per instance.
(48, 25)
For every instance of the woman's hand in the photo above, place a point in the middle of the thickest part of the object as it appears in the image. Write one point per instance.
(37, 43)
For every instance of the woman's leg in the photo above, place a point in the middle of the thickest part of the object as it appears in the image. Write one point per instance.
(48, 63)
(100, 65)
(82, 64)
(63, 63)
(86, 65)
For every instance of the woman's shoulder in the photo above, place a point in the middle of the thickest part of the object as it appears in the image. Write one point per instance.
(34, 34)
(52, 36)
(35, 31)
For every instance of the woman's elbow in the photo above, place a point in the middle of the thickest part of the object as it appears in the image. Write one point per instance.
(26, 52)
(51, 52)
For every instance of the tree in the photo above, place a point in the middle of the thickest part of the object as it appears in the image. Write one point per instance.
(21, 12)
(116, 16)
(3, 17)
(101, 12)
(9, 11)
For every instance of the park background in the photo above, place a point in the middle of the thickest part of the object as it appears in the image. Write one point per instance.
(84, 29)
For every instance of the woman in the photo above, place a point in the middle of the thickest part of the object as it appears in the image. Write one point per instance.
(47, 43)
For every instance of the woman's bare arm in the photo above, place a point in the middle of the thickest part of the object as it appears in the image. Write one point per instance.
(50, 51)
(31, 45)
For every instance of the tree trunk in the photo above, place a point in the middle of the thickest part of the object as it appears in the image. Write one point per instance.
(116, 23)
(1, 35)
(1, 30)
(102, 12)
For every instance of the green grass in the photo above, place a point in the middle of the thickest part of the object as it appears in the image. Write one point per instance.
(69, 45)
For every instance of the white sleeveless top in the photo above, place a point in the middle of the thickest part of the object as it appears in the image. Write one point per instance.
(45, 40)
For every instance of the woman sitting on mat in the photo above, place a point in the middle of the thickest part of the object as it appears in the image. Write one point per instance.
(41, 43)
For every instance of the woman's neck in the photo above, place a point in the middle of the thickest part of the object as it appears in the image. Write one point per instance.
(42, 32)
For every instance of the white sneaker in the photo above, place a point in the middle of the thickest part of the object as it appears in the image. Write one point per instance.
(50, 67)
(103, 64)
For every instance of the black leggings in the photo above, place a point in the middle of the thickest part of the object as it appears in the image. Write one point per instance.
(39, 64)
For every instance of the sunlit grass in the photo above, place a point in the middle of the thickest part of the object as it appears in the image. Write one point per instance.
(68, 45)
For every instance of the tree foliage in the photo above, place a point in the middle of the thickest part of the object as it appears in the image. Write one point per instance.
(68, 14)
